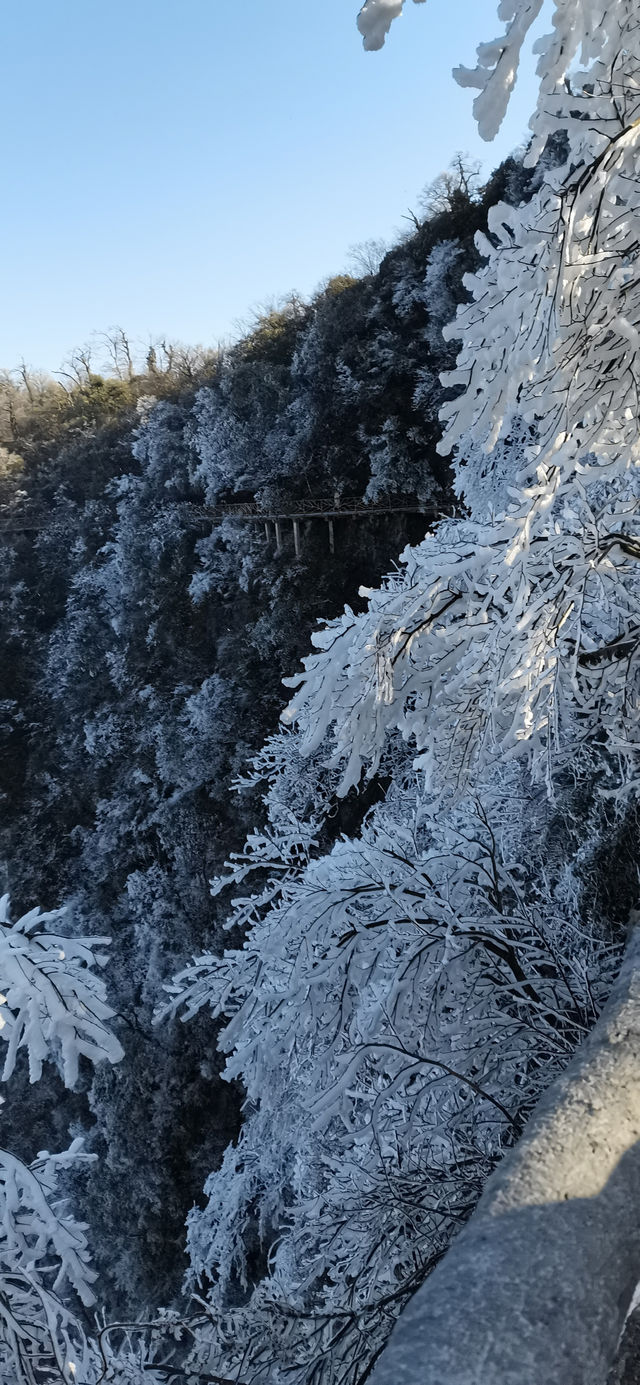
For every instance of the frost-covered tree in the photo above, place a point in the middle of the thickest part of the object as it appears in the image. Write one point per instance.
(53, 1330)
(401, 1001)
(53, 1006)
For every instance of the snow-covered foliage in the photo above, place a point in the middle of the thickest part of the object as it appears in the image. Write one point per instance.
(52, 999)
(405, 998)
(400, 1000)
(43, 1254)
(422, 919)
(53, 1005)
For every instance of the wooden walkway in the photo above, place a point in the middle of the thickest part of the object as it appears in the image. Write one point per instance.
(323, 507)
(327, 508)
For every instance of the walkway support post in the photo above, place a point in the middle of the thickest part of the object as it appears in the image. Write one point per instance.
(296, 537)
(534, 1290)
(278, 529)
(332, 545)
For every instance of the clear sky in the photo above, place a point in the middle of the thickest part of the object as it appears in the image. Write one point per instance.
(168, 165)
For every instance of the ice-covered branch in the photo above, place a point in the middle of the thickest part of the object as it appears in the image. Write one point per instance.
(497, 67)
(375, 20)
(52, 1003)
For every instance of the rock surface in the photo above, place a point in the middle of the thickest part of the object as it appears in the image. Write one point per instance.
(535, 1289)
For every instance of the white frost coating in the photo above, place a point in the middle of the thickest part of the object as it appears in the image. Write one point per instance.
(486, 644)
(52, 1001)
(582, 30)
(550, 334)
(375, 20)
(35, 1227)
(52, 1005)
(497, 67)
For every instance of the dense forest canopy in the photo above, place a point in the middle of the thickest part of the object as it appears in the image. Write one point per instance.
(404, 906)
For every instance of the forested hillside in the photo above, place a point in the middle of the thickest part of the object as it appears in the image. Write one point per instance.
(145, 637)
(391, 901)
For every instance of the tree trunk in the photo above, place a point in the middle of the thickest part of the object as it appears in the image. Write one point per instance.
(535, 1289)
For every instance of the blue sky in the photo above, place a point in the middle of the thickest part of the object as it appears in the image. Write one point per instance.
(169, 166)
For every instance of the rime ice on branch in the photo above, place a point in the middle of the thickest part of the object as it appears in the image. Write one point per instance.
(375, 20)
(53, 1005)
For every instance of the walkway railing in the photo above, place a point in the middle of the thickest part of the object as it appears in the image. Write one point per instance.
(328, 508)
